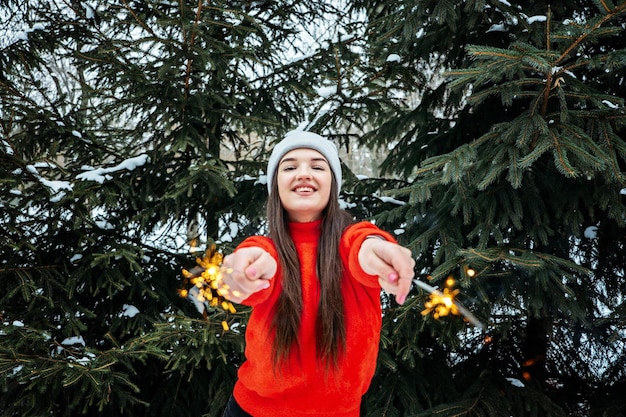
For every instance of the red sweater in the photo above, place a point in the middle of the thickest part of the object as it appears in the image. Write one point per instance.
(304, 387)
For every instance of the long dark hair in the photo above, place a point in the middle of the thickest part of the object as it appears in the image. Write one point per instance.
(330, 321)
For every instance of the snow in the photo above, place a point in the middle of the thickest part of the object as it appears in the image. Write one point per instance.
(327, 91)
(533, 19)
(392, 200)
(7, 147)
(55, 186)
(591, 232)
(496, 28)
(75, 340)
(104, 225)
(76, 258)
(234, 229)
(230, 233)
(502, 26)
(610, 104)
(345, 205)
(89, 11)
(129, 311)
(262, 179)
(101, 174)
(193, 297)
(58, 187)
(394, 58)
(17, 370)
(515, 382)
(86, 357)
(348, 36)
(23, 34)
(244, 177)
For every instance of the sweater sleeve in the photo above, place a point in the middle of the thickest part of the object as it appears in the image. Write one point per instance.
(350, 245)
(266, 244)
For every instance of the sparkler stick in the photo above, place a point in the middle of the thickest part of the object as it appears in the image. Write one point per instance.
(443, 303)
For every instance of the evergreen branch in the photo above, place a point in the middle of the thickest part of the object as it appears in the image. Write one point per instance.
(617, 10)
(420, 192)
(571, 67)
(141, 22)
(617, 172)
(190, 47)
(532, 125)
(506, 90)
(463, 153)
(546, 94)
(563, 164)
(494, 255)
(606, 6)
(463, 76)
(525, 258)
(492, 53)
(548, 30)
(494, 171)
(598, 156)
(30, 268)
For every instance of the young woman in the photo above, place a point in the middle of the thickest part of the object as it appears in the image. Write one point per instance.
(314, 287)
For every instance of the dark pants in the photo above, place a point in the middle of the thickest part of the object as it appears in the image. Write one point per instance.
(234, 410)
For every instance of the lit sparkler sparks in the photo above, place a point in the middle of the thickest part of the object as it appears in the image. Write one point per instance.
(208, 288)
(206, 283)
(444, 303)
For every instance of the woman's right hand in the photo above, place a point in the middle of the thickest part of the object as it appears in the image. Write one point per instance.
(248, 270)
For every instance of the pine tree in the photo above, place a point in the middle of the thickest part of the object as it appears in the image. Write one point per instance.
(505, 125)
(504, 129)
(116, 119)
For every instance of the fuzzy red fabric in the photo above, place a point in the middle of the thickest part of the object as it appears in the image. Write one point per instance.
(304, 387)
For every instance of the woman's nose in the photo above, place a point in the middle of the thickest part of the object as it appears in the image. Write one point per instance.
(303, 172)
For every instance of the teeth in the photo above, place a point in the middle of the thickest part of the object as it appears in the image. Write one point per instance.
(303, 189)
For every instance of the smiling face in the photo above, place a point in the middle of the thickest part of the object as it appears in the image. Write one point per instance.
(304, 181)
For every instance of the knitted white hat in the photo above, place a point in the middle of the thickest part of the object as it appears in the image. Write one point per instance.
(297, 139)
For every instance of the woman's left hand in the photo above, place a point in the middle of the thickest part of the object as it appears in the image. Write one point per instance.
(391, 262)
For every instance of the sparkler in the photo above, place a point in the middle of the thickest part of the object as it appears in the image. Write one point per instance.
(444, 303)
(207, 288)
(206, 283)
